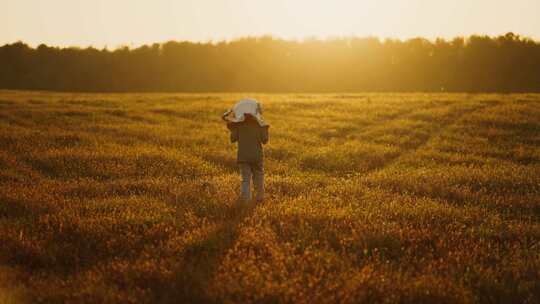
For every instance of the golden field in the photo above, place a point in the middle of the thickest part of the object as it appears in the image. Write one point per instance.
(395, 198)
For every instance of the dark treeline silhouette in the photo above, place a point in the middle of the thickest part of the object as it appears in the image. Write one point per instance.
(507, 63)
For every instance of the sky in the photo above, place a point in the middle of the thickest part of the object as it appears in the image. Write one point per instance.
(113, 23)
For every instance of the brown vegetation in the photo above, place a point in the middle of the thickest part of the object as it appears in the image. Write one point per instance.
(508, 63)
(115, 198)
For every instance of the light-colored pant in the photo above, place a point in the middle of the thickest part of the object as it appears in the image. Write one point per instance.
(252, 170)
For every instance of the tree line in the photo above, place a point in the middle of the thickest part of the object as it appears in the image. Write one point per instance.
(507, 63)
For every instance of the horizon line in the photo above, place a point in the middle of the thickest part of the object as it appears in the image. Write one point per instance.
(216, 41)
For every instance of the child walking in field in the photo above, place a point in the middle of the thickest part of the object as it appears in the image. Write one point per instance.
(250, 131)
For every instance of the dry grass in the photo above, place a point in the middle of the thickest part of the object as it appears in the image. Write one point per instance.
(371, 198)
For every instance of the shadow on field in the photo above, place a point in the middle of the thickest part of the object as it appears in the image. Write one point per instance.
(202, 259)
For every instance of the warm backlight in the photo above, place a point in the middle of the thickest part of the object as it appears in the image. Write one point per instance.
(112, 23)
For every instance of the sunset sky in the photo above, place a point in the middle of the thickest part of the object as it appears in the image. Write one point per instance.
(134, 22)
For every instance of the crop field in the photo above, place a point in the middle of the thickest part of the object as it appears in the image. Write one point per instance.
(395, 198)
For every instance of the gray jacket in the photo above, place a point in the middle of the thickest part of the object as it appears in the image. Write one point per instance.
(250, 137)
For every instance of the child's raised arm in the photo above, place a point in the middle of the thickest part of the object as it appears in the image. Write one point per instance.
(264, 134)
(225, 115)
(234, 132)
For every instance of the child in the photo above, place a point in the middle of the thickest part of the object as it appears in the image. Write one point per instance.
(250, 131)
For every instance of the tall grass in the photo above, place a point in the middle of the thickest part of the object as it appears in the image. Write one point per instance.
(371, 198)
